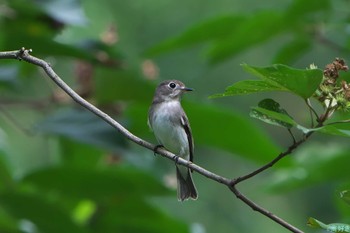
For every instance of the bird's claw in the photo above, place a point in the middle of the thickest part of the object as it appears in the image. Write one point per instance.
(156, 148)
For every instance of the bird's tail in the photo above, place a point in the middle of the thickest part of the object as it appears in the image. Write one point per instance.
(185, 186)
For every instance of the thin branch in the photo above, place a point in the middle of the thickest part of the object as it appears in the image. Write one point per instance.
(24, 55)
(263, 211)
(312, 110)
(292, 135)
(273, 162)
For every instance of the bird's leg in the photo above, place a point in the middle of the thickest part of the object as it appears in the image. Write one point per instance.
(156, 148)
(176, 159)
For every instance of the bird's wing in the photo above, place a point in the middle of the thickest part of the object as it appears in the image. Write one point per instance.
(185, 123)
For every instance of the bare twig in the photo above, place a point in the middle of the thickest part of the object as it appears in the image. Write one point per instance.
(24, 55)
(273, 162)
(312, 112)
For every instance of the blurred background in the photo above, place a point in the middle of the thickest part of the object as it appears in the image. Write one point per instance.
(62, 169)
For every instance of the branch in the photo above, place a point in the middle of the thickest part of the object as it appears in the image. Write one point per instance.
(24, 55)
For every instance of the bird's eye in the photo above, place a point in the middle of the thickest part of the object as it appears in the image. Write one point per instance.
(172, 85)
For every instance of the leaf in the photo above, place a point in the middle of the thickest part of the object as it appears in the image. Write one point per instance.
(248, 87)
(8, 224)
(333, 227)
(78, 182)
(75, 154)
(200, 32)
(256, 29)
(68, 11)
(339, 130)
(6, 180)
(83, 126)
(300, 82)
(345, 196)
(112, 85)
(135, 215)
(298, 10)
(84, 211)
(46, 216)
(270, 112)
(292, 50)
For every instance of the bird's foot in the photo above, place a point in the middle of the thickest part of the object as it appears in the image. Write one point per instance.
(156, 148)
(176, 159)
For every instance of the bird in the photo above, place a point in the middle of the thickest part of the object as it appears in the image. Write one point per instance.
(171, 127)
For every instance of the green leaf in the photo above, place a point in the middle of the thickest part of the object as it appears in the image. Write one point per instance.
(71, 154)
(300, 82)
(298, 10)
(270, 112)
(292, 50)
(6, 180)
(46, 216)
(256, 29)
(339, 130)
(333, 227)
(345, 196)
(83, 126)
(84, 211)
(8, 224)
(134, 215)
(248, 87)
(112, 85)
(200, 32)
(78, 182)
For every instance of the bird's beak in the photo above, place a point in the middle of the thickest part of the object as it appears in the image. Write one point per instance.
(186, 89)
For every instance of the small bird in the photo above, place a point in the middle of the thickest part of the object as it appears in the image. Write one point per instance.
(171, 127)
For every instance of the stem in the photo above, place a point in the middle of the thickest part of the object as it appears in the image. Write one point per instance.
(312, 110)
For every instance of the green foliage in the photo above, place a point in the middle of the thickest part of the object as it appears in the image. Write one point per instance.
(270, 112)
(333, 227)
(243, 31)
(82, 126)
(277, 78)
(345, 196)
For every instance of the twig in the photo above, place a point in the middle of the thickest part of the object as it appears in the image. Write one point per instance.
(24, 55)
(292, 135)
(312, 110)
(273, 162)
(263, 211)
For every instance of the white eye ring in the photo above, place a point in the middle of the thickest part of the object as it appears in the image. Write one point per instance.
(172, 85)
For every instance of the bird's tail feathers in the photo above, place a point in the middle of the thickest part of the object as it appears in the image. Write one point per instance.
(185, 185)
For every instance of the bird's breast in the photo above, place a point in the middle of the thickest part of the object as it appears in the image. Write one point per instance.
(168, 129)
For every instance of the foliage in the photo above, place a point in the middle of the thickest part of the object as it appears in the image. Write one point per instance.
(64, 170)
(333, 227)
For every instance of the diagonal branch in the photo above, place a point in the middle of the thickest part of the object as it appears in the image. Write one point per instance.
(23, 54)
